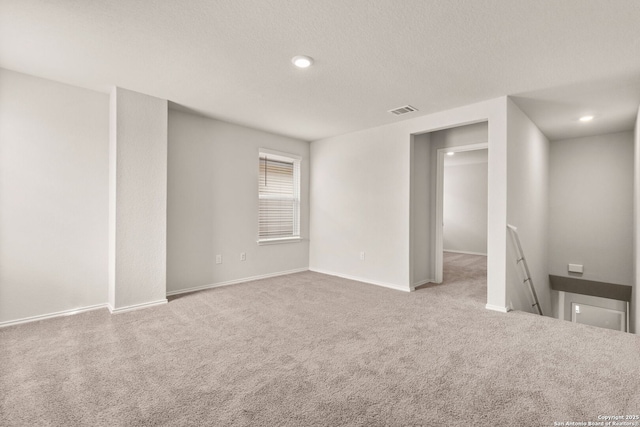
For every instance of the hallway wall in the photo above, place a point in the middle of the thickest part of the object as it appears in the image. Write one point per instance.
(465, 202)
(591, 207)
(527, 209)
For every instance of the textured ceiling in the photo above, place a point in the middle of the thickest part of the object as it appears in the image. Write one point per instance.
(230, 59)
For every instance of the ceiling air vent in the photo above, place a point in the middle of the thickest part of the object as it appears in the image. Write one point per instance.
(403, 110)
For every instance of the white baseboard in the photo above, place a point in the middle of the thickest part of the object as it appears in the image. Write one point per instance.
(422, 282)
(416, 285)
(135, 306)
(360, 279)
(464, 252)
(235, 282)
(52, 315)
(496, 308)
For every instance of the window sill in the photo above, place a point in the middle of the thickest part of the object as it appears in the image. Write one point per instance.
(279, 240)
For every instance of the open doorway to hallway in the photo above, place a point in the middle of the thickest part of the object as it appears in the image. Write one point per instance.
(464, 209)
(469, 147)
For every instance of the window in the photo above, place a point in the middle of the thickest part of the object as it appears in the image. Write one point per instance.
(278, 197)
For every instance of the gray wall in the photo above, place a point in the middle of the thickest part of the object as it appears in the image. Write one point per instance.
(421, 211)
(465, 202)
(457, 136)
(634, 318)
(591, 207)
(527, 208)
(54, 142)
(213, 204)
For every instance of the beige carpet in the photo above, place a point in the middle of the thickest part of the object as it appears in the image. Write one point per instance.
(310, 349)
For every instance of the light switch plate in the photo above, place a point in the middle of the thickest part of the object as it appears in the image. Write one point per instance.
(576, 268)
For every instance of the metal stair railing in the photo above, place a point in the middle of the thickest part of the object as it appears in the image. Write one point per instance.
(522, 261)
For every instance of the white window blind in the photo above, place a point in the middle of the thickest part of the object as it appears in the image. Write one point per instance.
(279, 197)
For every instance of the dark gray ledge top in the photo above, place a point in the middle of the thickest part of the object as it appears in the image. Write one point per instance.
(589, 287)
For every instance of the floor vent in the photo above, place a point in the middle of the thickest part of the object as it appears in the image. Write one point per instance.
(403, 110)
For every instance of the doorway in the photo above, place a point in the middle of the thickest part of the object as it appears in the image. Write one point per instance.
(461, 203)
(428, 151)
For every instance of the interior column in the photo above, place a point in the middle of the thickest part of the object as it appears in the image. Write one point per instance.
(137, 200)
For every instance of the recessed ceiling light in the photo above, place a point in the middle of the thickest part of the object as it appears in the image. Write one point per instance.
(450, 153)
(302, 61)
(586, 118)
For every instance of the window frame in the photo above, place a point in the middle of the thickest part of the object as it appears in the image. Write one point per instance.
(297, 163)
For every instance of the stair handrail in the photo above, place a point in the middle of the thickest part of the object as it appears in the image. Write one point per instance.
(521, 259)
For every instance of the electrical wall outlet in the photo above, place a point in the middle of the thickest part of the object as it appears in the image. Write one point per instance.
(218, 259)
(362, 255)
(243, 256)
